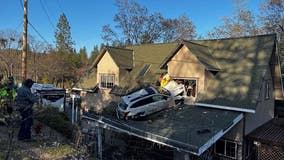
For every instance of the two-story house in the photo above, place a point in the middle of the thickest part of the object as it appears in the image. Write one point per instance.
(232, 85)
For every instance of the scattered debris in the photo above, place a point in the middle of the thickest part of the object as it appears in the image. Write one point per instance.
(203, 131)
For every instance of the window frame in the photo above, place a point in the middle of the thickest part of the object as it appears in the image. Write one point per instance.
(106, 77)
(225, 148)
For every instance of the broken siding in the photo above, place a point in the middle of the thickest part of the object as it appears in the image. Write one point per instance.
(107, 66)
(185, 65)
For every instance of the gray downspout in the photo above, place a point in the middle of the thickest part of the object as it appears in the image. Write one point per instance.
(100, 148)
(244, 145)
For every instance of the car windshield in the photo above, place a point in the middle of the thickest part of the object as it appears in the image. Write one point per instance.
(150, 90)
(162, 90)
(122, 104)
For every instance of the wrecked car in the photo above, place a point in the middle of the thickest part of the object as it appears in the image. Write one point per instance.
(146, 101)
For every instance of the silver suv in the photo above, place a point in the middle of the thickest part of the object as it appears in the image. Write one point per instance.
(144, 102)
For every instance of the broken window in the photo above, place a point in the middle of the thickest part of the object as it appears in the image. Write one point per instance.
(190, 86)
(107, 80)
(226, 148)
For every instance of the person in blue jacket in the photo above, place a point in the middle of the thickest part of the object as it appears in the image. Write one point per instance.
(25, 100)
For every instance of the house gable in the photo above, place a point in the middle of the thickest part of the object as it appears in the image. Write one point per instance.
(107, 65)
(185, 65)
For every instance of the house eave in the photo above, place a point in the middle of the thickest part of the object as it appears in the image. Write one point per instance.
(225, 107)
(219, 135)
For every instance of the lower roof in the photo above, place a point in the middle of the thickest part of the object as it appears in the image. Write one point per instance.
(270, 133)
(188, 128)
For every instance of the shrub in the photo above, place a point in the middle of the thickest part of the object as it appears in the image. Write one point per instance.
(56, 120)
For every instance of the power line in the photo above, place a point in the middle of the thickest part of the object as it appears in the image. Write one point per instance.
(21, 2)
(59, 5)
(16, 28)
(38, 33)
(46, 13)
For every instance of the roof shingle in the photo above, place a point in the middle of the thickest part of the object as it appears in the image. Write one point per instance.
(243, 62)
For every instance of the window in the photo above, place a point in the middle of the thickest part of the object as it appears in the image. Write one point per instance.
(157, 98)
(107, 80)
(142, 102)
(226, 148)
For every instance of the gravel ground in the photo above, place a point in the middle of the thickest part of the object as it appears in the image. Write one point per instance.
(47, 145)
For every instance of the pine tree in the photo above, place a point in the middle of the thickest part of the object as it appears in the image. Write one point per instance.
(83, 55)
(64, 42)
(94, 54)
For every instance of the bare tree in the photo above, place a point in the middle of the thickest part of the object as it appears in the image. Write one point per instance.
(9, 51)
(272, 12)
(180, 28)
(241, 23)
(136, 26)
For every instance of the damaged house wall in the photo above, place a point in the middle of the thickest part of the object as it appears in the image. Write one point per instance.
(185, 65)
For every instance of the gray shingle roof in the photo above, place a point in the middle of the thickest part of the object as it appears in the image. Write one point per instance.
(243, 62)
(121, 56)
(201, 52)
(270, 133)
(189, 128)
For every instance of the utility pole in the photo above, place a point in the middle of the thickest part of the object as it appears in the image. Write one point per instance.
(25, 47)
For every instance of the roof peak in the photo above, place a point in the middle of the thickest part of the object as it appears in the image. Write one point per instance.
(122, 48)
(151, 44)
(241, 37)
(188, 41)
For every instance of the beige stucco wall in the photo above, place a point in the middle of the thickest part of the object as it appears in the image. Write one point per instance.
(185, 65)
(97, 101)
(107, 66)
(264, 109)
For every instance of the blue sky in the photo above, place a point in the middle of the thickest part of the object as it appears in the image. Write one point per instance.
(86, 17)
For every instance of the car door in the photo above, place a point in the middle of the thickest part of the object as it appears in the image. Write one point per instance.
(159, 103)
(141, 107)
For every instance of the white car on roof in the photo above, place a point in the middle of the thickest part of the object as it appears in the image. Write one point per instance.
(145, 102)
